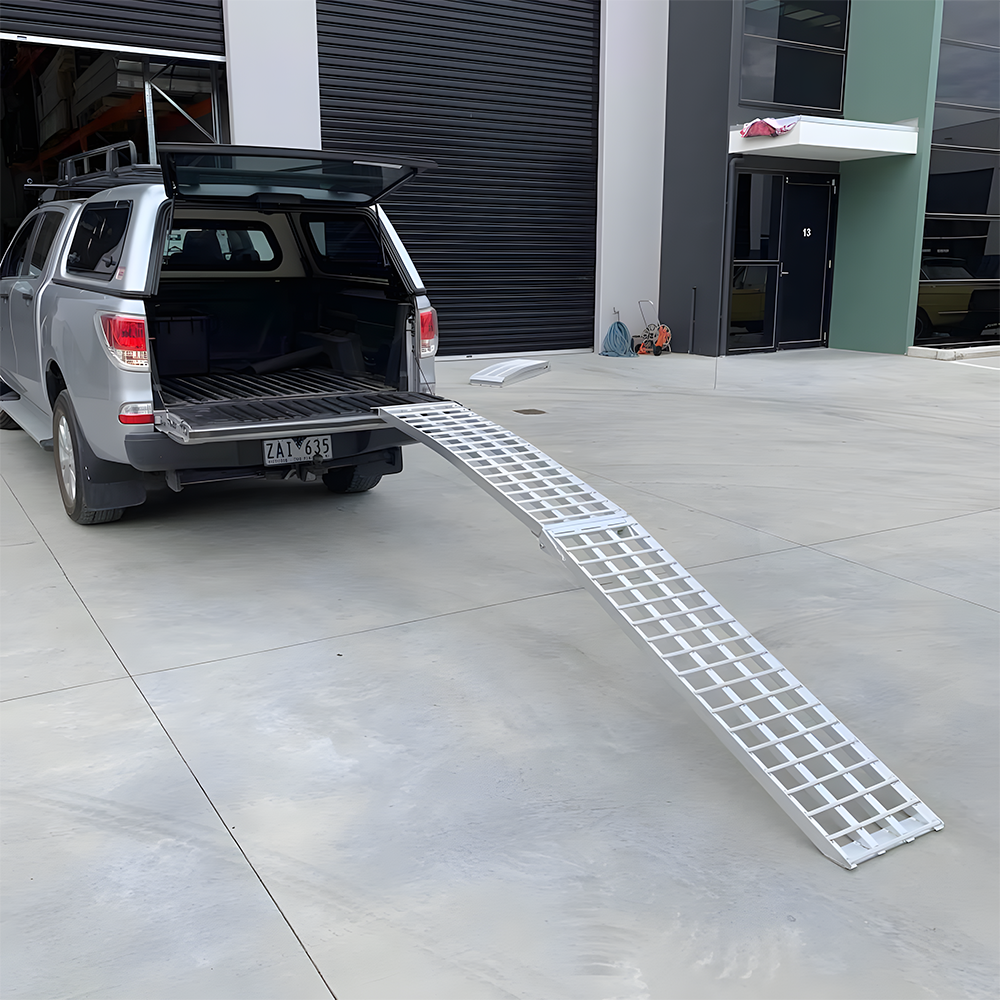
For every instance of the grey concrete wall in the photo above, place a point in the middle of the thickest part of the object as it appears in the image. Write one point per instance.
(630, 159)
(273, 73)
(694, 174)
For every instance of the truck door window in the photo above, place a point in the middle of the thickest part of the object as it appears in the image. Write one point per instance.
(43, 242)
(98, 240)
(14, 260)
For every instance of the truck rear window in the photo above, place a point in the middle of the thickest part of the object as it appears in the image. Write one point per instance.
(98, 240)
(344, 246)
(204, 245)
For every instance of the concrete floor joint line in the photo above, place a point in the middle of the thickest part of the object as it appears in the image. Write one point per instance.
(186, 764)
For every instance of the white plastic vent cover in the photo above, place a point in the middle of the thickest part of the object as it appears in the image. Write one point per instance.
(509, 372)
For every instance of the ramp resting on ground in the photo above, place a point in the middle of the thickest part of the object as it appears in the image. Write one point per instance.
(846, 801)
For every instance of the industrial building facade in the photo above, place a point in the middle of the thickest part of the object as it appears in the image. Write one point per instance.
(872, 223)
(588, 152)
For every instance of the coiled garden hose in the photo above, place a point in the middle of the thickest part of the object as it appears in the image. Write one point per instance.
(617, 342)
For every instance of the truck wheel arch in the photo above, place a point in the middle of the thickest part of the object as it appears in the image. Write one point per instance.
(55, 383)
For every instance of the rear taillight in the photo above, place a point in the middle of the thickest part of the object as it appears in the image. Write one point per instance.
(126, 336)
(135, 413)
(428, 332)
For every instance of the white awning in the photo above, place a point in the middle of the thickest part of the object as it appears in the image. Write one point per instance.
(829, 139)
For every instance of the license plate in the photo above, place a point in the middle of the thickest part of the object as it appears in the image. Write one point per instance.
(291, 451)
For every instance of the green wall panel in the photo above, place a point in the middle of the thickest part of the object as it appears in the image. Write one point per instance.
(891, 77)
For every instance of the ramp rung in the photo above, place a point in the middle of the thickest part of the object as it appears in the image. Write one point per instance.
(657, 619)
(750, 701)
(656, 600)
(617, 574)
(664, 599)
(814, 703)
(859, 793)
(867, 762)
(600, 543)
(639, 568)
(629, 588)
(679, 634)
(718, 686)
(775, 741)
(794, 761)
(886, 814)
(674, 633)
(729, 661)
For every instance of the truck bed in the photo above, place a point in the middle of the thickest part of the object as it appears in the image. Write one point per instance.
(231, 386)
(233, 406)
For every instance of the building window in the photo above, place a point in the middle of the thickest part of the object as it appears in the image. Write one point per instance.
(958, 303)
(968, 86)
(969, 70)
(793, 54)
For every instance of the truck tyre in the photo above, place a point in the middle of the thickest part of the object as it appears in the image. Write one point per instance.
(69, 470)
(349, 480)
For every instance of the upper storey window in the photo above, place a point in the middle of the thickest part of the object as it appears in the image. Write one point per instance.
(793, 54)
(967, 103)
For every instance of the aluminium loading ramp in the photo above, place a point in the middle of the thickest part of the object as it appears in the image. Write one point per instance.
(845, 800)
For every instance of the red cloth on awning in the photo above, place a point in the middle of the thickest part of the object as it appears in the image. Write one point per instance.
(769, 126)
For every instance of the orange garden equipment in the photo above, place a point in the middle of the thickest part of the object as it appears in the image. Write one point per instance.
(656, 335)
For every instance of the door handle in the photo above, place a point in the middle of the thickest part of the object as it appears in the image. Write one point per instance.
(24, 288)
(784, 272)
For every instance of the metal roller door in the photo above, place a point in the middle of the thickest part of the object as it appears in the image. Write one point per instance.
(176, 25)
(503, 95)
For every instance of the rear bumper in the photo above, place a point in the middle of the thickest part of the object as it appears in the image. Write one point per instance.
(184, 433)
(153, 451)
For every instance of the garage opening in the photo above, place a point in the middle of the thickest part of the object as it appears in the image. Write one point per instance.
(60, 100)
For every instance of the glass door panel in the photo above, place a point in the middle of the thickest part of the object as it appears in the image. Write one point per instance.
(751, 307)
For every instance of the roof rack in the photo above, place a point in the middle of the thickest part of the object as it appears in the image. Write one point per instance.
(69, 167)
(98, 169)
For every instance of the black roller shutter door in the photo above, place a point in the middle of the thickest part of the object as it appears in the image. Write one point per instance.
(178, 25)
(503, 95)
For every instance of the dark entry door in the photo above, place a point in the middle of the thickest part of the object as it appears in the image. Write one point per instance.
(782, 262)
(805, 262)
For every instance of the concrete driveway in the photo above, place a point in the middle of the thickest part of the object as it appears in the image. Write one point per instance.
(262, 741)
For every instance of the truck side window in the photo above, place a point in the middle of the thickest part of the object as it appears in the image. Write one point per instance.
(98, 240)
(344, 245)
(43, 241)
(14, 259)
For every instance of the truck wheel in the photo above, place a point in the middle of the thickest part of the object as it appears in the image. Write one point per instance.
(348, 480)
(69, 473)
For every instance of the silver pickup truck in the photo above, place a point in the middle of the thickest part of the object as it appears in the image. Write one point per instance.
(234, 312)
